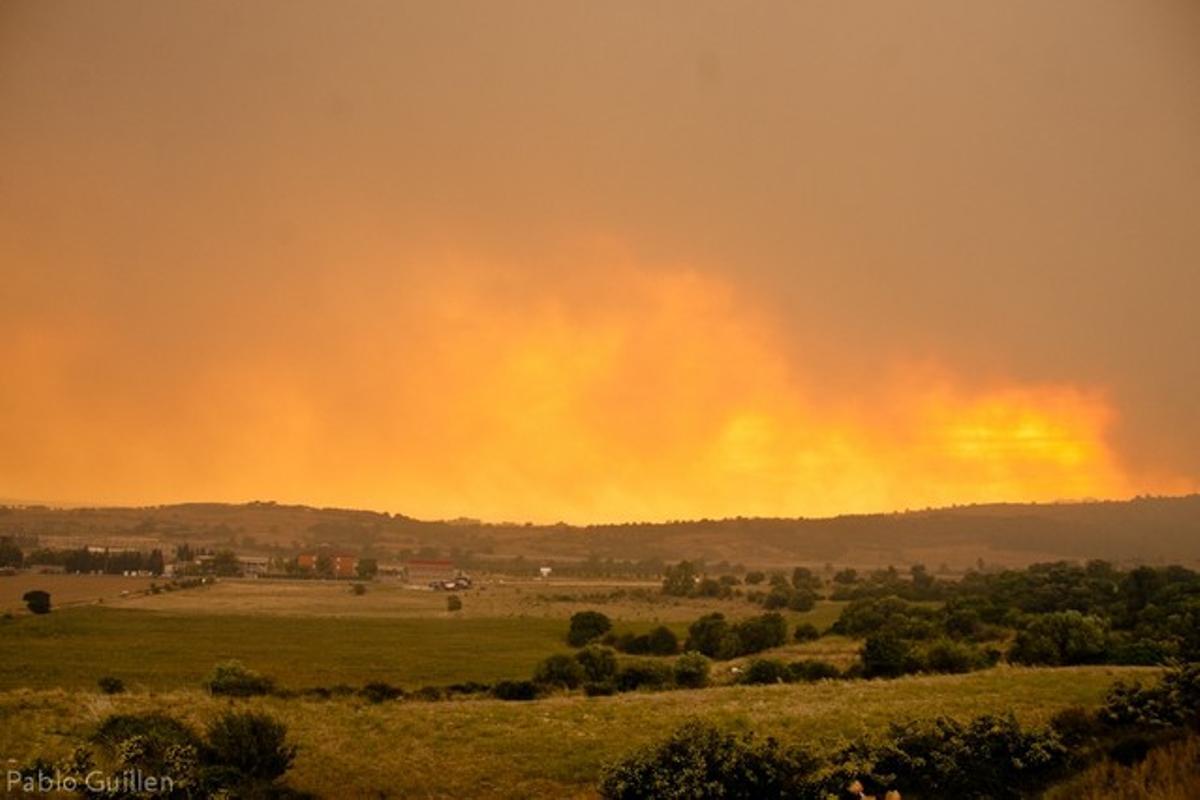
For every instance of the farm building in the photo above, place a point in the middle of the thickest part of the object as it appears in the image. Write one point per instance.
(343, 564)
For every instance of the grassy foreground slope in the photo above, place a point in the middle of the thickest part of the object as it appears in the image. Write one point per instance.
(554, 747)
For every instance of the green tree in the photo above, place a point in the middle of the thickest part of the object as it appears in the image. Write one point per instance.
(37, 601)
(587, 626)
(367, 568)
(680, 579)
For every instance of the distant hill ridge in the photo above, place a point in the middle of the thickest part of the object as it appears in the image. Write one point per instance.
(1144, 529)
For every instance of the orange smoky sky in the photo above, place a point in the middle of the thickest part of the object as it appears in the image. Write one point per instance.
(598, 262)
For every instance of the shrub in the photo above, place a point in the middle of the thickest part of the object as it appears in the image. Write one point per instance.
(599, 663)
(761, 633)
(160, 730)
(662, 641)
(806, 632)
(1061, 638)
(515, 690)
(37, 601)
(378, 692)
(713, 636)
(358, 589)
(110, 685)
(454, 603)
(885, 656)
(763, 671)
(811, 671)
(559, 670)
(587, 626)
(1173, 701)
(691, 671)
(698, 760)
(802, 599)
(603, 689)
(255, 745)
(232, 679)
(429, 694)
(990, 757)
(755, 578)
(643, 675)
(947, 655)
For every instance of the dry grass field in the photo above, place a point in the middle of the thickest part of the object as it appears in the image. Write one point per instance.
(549, 748)
(66, 590)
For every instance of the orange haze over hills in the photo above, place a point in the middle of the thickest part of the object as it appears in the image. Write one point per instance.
(599, 261)
(630, 392)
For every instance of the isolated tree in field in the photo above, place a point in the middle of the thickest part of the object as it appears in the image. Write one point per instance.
(587, 626)
(37, 601)
(680, 579)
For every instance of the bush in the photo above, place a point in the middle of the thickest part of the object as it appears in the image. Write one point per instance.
(232, 679)
(156, 728)
(806, 632)
(885, 656)
(1173, 701)
(454, 603)
(587, 626)
(37, 601)
(515, 690)
(764, 671)
(812, 671)
(378, 692)
(255, 745)
(599, 663)
(643, 675)
(990, 757)
(698, 760)
(110, 685)
(663, 641)
(691, 671)
(358, 589)
(1061, 638)
(949, 656)
(429, 694)
(559, 670)
(761, 633)
(713, 636)
(603, 689)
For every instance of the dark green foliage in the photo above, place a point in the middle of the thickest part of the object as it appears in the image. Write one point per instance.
(680, 579)
(804, 578)
(886, 614)
(559, 670)
(605, 689)
(810, 671)
(947, 655)
(110, 685)
(587, 626)
(1061, 638)
(515, 690)
(990, 757)
(599, 663)
(255, 745)
(806, 632)
(378, 692)
(159, 730)
(763, 671)
(429, 694)
(691, 671)
(886, 656)
(233, 679)
(713, 636)
(700, 761)
(454, 603)
(37, 601)
(761, 633)
(643, 675)
(755, 578)
(1173, 702)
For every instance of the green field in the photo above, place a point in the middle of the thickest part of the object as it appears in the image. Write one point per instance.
(554, 747)
(72, 648)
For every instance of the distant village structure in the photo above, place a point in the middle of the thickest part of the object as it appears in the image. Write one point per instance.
(342, 564)
(436, 573)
